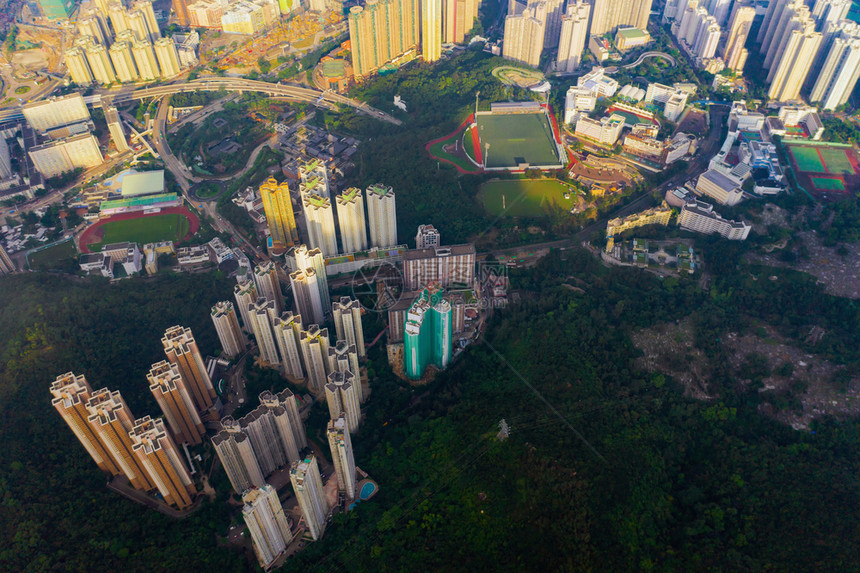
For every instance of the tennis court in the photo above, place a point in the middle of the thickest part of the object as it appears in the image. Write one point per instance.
(828, 183)
(517, 138)
(806, 159)
(836, 161)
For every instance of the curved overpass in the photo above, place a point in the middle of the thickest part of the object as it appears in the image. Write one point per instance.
(642, 58)
(658, 55)
(328, 100)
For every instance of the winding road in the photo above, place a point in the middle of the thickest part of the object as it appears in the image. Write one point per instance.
(642, 58)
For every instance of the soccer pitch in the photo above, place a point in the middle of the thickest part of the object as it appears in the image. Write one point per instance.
(524, 197)
(172, 227)
(515, 139)
(807, 159)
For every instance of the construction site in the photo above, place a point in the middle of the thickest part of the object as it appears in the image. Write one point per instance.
(294, 35)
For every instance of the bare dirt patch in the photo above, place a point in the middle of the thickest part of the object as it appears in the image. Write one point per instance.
(839, 275)
(796, 387)
(809, 378)
(669, 349)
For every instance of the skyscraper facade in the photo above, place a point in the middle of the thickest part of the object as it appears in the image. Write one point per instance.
(245, 294)
(307, 295)
(382, 216)
(458, 19)
(267, 523)
(7, 265)
(427, 333)
(117, 133)
(161, 459)
(789, 71)
(233, 447)
(381, 31)
(287, 328)
(301, 258)
(227, 325)
(347, 323)
(350, 218)
(608, 15)
(71, 394)
(112, 421)
(307, 485)
(123, 62)
(145, 60)
(174, 399)
(261, 314)
(79, 68)
(342, 357)
(314, 344)
(574, 32)
(268, 285)
(279, 213)
(342, 456)
(343, 396)
(181, 349)
(431, 30)
(839, 73)
(735, 54)
(319, 222)
(314, 178)
(167, 56)
(180, 8)
(524, 36)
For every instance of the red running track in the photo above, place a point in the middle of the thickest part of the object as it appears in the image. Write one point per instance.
(89, 235)
(466, 122)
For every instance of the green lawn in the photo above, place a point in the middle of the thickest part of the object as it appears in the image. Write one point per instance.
(171, 227)
(827, 184)
(208, 190)
(518, 138)
(837, 161)
(48, 258)
(524, 197)
(807, 159)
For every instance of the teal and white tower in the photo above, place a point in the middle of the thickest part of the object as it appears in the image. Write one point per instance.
(427, 333)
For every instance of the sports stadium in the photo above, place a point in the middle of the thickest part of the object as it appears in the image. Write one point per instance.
(515, 137)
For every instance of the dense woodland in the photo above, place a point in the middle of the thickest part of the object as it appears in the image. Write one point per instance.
(655, 482)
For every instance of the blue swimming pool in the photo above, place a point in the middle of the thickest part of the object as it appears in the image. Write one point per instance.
(367, 490)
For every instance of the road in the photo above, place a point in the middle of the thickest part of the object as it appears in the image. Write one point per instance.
(327, 99)
(186, 180)
(642, 58)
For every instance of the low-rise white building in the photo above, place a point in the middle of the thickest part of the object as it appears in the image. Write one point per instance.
(700, 217)
(605, 130)
(720, 187)
(97, 263)
(597, 82)
(576, 102)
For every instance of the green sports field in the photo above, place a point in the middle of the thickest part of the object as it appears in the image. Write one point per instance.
(524, 197)
(172, 227)
(807, 159)
(836, 161)
(47, 259)
(828, 184)
(515, 139)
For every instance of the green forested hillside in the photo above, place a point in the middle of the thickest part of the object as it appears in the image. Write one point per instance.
(657, 482)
